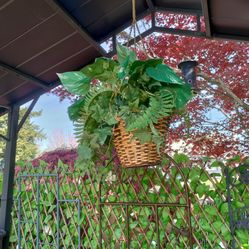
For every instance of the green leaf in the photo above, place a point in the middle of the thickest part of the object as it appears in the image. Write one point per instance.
(126, 56)
(84, 151)
(195, 174)
(103, 69)
(242, 235)
(202, 189)
(75, 82)
(164, 73)
(148, 63)
(224, 208)
(103, 133)
(204, 176)
(181, 158)
(160, 106)
(211, 210)
(182, 93)
(217, 163)
(144, 136)
(94, 94)
(118, 233)
(137, 71)
(74, 109)
(239, 204)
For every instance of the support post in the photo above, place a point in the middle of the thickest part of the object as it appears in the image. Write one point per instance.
(8, 177)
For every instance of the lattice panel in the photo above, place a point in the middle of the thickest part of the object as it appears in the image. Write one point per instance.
(140, 208)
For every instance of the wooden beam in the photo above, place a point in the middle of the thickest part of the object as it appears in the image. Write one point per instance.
(29, 110)
(12, 70)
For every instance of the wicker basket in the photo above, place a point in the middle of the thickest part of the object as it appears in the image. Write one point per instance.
(131, 152)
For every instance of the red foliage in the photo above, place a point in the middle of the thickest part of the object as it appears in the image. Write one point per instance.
(67, 156)
(218, 123)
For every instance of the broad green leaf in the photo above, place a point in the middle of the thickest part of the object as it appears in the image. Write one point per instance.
(126, 56)
(164, 73)
(74, 109)
(148, 63)
(75, 82)
(103, 69)
(182, 93)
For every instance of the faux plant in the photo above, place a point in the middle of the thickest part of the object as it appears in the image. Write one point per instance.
(207, 193)
(139, 92)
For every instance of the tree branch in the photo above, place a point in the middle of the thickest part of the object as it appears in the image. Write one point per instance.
(221, 84)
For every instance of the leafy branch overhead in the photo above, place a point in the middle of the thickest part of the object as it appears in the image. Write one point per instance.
(139, 92)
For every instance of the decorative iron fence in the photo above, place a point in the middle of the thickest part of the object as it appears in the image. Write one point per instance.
(128, 208)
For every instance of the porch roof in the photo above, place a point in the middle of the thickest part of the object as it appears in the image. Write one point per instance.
(40, 38)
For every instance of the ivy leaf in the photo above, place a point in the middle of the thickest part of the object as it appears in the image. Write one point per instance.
(181, 158)
(194, 174)
(98, 113)
(74, 109)
(110, 119)
(75, 82)
(211, 210)
(125, 55)
(103, 133)
(84, 151)
(103, 69)
(216, 164)
(204, 176)
(118, 233)
(224, 208)
(164, 73)
(144, 136)
(242, 235)
(202, 189)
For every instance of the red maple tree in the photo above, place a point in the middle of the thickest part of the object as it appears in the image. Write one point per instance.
(216, 123)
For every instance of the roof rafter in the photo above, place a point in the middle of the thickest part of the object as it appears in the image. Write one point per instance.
(25, 76)
(71, 20)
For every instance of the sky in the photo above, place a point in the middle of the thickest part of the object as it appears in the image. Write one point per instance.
(58, 128)
(54, 119)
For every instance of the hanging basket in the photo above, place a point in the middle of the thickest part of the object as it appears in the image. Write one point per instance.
(131, 152)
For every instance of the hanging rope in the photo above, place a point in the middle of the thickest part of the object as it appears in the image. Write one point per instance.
(134, 27)
(134, 11)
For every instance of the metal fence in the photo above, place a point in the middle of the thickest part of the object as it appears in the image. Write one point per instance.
(157, 207)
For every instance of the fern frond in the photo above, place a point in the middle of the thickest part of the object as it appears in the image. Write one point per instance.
(161, 105)
(92, 95)
(79, 127)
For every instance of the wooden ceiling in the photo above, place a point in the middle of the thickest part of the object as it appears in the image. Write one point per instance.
(43, 37)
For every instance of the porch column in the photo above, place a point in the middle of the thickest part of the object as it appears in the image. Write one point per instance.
(8, 177)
